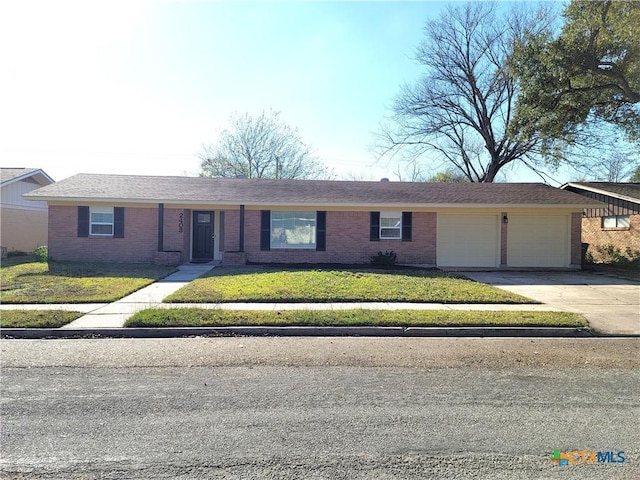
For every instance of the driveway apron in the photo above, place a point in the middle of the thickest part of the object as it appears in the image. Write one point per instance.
(611, 305)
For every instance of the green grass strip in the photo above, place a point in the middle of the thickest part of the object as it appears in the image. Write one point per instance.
(71, 282)
(263, 284)
(36, 318)
(198, 317)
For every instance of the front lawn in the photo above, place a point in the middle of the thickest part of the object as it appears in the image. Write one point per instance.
(268, 284)
(198, 317)
(36, 318)
(67, 282)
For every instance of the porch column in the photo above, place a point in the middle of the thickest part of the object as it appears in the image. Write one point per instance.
(161, 227)
(241, 240)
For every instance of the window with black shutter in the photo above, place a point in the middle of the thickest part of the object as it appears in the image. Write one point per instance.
(390, 226)
(101, 221)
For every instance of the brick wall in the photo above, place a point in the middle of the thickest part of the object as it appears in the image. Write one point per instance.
(594, 234)
(232, 230)
(175, 220)
(186, 237)
(139, 244)
(347, 240)
(176, 237)
(576, 239)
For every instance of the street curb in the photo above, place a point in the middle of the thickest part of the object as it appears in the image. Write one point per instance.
(177, 332)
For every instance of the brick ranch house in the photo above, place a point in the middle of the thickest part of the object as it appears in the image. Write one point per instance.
(618, 222)
(173, 220)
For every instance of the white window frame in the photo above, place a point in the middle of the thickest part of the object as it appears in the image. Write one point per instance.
(283, 244)
(100, 210)
(396, 219)
(620, 221)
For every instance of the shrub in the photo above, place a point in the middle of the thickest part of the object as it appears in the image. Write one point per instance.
(387, 258)
(612, 255)
(41, 253)
(588, 259)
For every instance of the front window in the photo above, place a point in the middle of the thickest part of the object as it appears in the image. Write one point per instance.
(101, 221)
(293, 230)
(390, 225)
(615, 221)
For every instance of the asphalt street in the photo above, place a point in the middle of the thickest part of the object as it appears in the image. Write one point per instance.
(318, 408)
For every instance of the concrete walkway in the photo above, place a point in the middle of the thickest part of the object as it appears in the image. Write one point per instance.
(113, 315)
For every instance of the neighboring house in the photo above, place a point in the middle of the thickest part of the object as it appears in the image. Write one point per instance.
(618, 222)
(119, 218)
(23, 224)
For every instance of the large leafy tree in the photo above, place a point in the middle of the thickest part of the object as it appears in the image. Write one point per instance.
(588, 71)
(260, 147)
(460, 112)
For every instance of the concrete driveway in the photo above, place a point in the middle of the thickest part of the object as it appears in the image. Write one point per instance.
(611, 305)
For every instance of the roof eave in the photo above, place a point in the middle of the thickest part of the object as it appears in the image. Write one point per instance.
(601, 192)
(47, 177)
(378, 205)
(33, 173)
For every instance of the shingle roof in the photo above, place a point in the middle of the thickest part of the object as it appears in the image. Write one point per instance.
(624, 191)
(9, 174)
(224, 191)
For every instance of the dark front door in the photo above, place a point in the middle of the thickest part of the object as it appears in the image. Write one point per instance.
(202, 235)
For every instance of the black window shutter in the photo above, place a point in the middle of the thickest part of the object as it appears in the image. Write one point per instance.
(374, 231)
(265, 230)
(118, 222)
(321, 231)
(406, 226)
(83, 221)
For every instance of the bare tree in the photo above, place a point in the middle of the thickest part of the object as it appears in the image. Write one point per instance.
(260, 147)
(358, 176)
(459, 112)
(410, 171)
(616, 167)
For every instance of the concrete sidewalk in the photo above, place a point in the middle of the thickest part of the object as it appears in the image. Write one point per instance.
(114, 315)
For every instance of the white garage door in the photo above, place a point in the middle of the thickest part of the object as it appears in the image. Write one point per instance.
(538, 241)
(468, 241)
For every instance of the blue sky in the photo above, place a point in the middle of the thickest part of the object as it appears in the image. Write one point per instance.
(137, 87)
